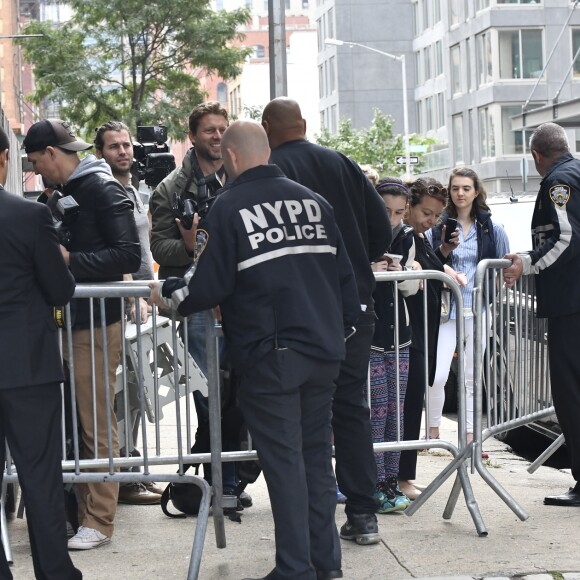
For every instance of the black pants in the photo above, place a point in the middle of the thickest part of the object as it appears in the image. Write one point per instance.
(356, 469)
(563, 339)
(414, 399)
(286, 401)
(30, 421)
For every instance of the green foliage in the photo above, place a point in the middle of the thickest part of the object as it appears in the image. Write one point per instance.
(132, 60)
(377, 145)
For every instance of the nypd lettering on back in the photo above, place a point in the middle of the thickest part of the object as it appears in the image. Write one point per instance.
(283, 220)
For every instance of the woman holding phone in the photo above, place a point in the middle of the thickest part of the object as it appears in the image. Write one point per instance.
(427, 199)
(390, 347)
(479, 239)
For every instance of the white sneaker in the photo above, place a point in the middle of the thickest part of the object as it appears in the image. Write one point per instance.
(87, 539)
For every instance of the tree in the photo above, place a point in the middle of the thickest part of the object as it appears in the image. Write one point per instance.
(132, 60)
(376, 146)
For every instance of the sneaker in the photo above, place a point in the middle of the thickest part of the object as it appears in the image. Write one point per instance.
(390, 499)
(87, 539)
(340, 497)
(362, 528)
(136, 493)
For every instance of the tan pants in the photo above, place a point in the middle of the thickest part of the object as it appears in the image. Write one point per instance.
(97, 501)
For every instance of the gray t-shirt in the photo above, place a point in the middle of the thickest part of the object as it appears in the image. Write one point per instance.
(145, 271)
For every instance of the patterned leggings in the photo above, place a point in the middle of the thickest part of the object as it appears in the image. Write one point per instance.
(383, 371)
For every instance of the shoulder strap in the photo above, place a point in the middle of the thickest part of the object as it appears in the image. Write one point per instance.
(165, 497)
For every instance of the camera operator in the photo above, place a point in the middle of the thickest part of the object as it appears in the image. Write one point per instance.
(103, 246)
(172, 245)
(34, 279)
(114, 144)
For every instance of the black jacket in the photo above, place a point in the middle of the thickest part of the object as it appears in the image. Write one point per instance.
(384, 296)
(34, 279)
(429, 260)
(104, 241)
(359, 210)
(273, 259)
(556, 235)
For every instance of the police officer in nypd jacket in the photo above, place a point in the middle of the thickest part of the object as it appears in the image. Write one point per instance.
(555, 260)
(272, 257)
(34, 279)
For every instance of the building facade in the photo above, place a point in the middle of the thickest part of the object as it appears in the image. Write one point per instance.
(472, 65)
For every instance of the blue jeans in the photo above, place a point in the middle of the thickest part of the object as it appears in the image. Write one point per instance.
(196, 339)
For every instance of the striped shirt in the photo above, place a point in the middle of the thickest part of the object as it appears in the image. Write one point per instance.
(464, 259)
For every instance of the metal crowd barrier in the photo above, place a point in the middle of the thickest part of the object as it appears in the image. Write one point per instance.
(155, 373)
(514, 368)
(460, 450)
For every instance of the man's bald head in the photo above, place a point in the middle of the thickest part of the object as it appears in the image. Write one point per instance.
(283, 122)
(244, 145)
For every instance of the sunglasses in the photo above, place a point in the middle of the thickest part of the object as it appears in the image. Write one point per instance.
(433, 189)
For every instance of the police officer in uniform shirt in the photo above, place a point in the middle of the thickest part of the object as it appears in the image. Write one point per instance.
(555, 260)
(272, 257)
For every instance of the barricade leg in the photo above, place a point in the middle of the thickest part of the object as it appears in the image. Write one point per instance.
(4, 523)
(547, 454)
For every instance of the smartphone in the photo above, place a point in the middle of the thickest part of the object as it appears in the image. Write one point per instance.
(450, 227)
(392, 258)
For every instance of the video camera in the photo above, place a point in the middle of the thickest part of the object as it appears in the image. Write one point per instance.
(207, 190)
(64, 211)
(153, 160)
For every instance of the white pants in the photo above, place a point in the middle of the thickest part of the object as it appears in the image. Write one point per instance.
(445, 349)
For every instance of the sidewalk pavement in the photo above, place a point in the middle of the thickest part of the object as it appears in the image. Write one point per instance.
(148, 545)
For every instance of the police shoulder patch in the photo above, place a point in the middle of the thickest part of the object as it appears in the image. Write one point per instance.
(560, 194)
(201, 238)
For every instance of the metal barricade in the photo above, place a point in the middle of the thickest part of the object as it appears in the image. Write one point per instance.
(155, 372)
(514, 368)
(460, 451)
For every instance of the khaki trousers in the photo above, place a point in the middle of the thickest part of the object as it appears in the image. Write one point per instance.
(97, 501)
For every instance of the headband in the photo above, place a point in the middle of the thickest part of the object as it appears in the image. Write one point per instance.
(385, 184)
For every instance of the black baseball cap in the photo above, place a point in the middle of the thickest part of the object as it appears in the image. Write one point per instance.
(52, 133)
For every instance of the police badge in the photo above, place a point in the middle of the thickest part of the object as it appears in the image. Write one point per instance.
(560, 194)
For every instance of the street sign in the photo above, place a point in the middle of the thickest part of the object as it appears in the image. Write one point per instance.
(402, 160)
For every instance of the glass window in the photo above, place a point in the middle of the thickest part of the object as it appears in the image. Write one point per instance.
(418, 69)
(484, 61)
(468, 60)
(575, 47)
(486, 133)
(305, 4)
(416, 20)
(259, 51)
(436, 11)
(427, 60)
(455, 69)
(517, 2)
(320, 82)
(330, 23)
(512, 141)
(453, 12)
(429, 113)
(520, 54)
(457, 123)
(438, 58)
(440, 110)
(331, 70)
(481, 4)
(222, 92)
(419, 112)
